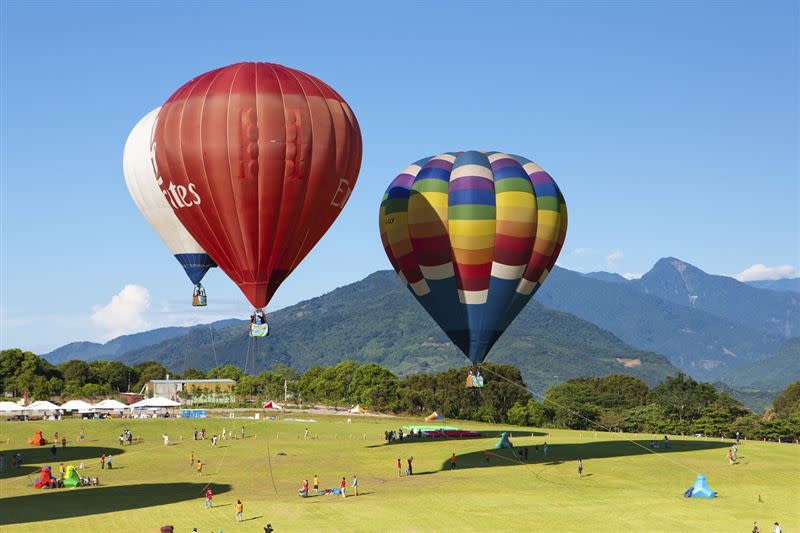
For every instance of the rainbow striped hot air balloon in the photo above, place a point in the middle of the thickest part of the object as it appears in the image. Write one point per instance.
(473, 235)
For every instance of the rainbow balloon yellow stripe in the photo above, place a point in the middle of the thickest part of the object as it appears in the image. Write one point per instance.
(473, 235)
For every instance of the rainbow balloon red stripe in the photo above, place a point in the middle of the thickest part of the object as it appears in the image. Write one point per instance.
(473, 235)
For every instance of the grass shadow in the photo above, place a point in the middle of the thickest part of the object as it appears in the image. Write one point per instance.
(56, 504)
(494, 434)
(560, 453)
(33, 458)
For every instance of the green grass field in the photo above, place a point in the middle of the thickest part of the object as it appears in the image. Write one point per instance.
(624, 488)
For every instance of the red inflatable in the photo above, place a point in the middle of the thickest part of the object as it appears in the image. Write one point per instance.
(44, 479)
(256, 160)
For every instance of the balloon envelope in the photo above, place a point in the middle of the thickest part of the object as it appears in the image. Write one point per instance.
(257, 161)
(473, 235)
(140, 177)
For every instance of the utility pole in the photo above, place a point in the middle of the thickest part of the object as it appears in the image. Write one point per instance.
(285, 390)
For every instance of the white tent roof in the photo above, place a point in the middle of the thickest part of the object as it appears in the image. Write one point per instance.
(10, 407)
(77, 405)
(42, 405)
(110, 404)
(156, 401)
(357, 409)
(271, 405)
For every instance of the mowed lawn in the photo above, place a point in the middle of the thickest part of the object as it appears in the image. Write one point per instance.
(624, 488)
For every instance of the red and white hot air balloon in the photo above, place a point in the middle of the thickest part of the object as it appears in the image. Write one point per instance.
(257, 160)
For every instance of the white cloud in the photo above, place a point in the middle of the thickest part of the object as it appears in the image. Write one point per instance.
(760, 272)
(632, 275)
(614, 257)
(123, 314)
(581, 252)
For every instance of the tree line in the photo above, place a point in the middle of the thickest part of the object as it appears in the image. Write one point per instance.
(678, 405)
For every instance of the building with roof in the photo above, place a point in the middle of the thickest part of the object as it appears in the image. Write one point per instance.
(189, 391)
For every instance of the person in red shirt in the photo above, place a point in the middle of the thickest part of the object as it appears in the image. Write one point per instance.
(343, 487)
(209, 497)
(103, 462)
(453, 462)
(304, 490)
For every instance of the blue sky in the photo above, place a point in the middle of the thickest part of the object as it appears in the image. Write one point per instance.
(672, 130)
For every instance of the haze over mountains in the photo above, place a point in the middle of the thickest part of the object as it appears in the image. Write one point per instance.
(712, 327)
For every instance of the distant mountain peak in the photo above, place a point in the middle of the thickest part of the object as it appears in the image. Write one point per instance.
(672, 263)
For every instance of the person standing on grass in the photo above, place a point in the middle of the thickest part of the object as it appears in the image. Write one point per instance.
(735, 450)
(239, 510)
(410, 467)
(166, 439)
(777, 528)
(355, 484)
(81, 436)
(730, 457)
(545, 449)
(305, 434)
(209, 497)
(63, 442)
(103, 462)
(316, 483)
(453, 462)
(580, 467)
(242, 431)
(486, 456)
(108, 460)
(399, 468)
(199, 467)
(343, 487)
(191, 458)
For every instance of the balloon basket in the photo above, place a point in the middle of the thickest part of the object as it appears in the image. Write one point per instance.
(259, 330)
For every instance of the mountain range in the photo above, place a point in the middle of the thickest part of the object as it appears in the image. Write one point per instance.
(377, 320)
(676, 317)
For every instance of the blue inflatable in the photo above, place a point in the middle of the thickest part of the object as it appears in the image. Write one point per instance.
(700, 489)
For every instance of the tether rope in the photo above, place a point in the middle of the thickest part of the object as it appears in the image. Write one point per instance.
(594, 423)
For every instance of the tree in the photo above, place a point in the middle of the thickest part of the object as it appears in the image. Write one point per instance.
(148, 371)
(21, 371)
(193, 373)
(226, 372)
(682, 397)
(572, 404)
(75, 372)
(788, 402)
(117, 376)
(374, 386)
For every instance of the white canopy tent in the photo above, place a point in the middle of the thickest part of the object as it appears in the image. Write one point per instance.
(42, 405)
(77, 405)
(110, 405)
(156, 402)
(10, 407)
